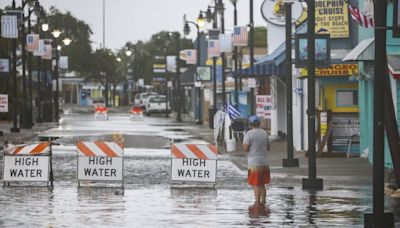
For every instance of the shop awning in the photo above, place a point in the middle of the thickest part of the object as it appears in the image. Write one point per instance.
(394, 65)
(272, 64)
(267, 66)
(364, 51)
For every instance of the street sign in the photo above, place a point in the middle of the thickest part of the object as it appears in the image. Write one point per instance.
(3, 102)
(26, 168)
(28, 162)
(100, 168)
(193, 163)
(100, 161)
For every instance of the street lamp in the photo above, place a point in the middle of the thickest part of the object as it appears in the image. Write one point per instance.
(178, 79)
(187, 30)
(56, 34)
(235, 53)
(37, 9)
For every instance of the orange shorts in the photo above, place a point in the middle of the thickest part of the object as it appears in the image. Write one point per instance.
(259, 175)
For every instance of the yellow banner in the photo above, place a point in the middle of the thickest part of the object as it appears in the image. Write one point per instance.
(159, 66)
(331, 16)
(334, 70)
(209, 62)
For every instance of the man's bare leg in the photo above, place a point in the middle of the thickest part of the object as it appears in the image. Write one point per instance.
(263, 195)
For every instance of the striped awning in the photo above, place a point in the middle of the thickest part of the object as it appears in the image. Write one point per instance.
(394, 65)
(269, 65)
(365, 50)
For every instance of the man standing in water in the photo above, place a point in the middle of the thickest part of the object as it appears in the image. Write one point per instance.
(256, 144)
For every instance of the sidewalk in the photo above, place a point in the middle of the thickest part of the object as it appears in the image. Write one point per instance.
(24, 134)
(351, 171)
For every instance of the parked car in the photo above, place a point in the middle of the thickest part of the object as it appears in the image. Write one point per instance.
(156, 104)
(141, 98)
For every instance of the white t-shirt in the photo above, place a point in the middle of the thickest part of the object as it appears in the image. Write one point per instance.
(257, 139)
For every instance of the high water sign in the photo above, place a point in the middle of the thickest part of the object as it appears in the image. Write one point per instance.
(193, 162)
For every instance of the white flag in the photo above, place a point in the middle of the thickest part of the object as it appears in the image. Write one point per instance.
(226, 42)
(9, 26)
(40, 51)
(63, 62)
(47, 52)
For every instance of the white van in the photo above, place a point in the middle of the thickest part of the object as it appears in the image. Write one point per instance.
(141, 98)
(156, 104)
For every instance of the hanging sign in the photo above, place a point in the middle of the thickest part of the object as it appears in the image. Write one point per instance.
(3, 102)
(264, 106)
(4, 66)
(9, 26)
(273, 11)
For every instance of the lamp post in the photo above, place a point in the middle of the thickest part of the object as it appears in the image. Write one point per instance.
(235, 52)
(312, 182)
(128, 53)
(290, 161)
(378, 217)
(15, 94)
(177, 85)
(212, 16)
(186, 31)
(39, 119)
(30, 11)
(251, 47)
(219, 7)
(56, 33)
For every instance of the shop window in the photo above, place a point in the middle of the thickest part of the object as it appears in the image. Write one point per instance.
(346, 98)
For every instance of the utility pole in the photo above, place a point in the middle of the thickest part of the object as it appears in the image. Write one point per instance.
(251, 46)
(15, 94)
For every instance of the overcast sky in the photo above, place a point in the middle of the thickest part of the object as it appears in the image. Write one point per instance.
(132, 20)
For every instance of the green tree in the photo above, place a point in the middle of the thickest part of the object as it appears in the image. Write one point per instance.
(102, 68)
(79, 51)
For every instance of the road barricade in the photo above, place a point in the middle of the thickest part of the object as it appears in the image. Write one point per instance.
(28, 163)
(193, 163)
(136, 113)
(100, 161)
(100, 112)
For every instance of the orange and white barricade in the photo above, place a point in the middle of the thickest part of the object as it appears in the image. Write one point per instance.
(28, 163)
(100, 112)
(136, 113)
(194, 163)
(100, 161)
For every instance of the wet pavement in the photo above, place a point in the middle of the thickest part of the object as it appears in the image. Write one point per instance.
(149, 200)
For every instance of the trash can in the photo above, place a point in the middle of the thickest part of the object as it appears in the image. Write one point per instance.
(230, 145)
(211, 118)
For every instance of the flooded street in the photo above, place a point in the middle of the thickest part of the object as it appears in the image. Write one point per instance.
(148, 199)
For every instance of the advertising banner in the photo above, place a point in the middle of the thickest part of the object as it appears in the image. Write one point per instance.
(334, 70)
(331, 17)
